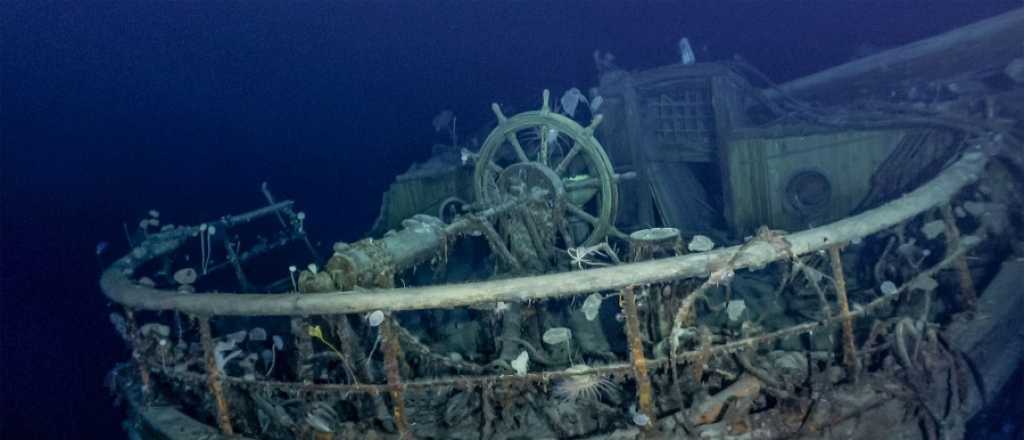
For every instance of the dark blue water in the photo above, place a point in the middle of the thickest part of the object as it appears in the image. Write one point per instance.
(110, 109)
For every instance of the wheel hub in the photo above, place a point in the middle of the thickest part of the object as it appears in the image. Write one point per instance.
(521, 178)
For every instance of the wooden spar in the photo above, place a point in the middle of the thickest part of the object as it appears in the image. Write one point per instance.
(982, 46)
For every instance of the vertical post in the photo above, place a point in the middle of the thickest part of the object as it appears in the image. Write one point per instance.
(724, 97)
(213, 377)
(291, 215)
(391, 353)
(968, 296)
(637, 137)
(243, 281)
(487, 412)
(645, 399)
(849, 350)
(305, 239)
(303, 348)
(133, 336)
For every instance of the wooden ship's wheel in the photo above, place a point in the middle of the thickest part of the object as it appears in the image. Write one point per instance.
(544, 149)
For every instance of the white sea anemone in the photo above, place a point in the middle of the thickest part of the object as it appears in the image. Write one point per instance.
(521, 363)
(557, 335)
(375, 318)
(186, 276)
(700, 243)
(583, 387)
(735, 308)
(591, 306)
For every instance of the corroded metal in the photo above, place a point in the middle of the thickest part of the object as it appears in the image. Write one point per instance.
(133, 335)
(303, 346)
(849, 348)
(372, 262)
(968, 295)
(644, 392)
(213, 378)
(392, 351)
(761, 420)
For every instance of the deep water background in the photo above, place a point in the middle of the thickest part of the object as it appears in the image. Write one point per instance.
(110, 109)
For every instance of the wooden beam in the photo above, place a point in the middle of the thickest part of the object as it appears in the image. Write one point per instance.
(983, 46)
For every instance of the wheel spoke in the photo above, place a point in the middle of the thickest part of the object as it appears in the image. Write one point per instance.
(490, 188)
(494, 167)
(579, 212)
(589, 182)
(542, 152)
(563, 230)
(576, 147)
(511, 138)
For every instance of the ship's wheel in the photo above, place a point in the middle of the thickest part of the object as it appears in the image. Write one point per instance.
(545, 149)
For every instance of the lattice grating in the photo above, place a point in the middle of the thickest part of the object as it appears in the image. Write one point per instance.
(682, 116)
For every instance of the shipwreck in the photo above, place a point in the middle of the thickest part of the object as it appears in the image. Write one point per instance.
(705, 255)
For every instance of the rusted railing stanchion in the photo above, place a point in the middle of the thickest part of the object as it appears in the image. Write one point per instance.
(849, 349)
(213, 377)
(391, 353)
(968, 296)
(133, 335)
(303, 348)
(644, 394)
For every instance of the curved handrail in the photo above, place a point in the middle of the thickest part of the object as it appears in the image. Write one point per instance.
(118, 287)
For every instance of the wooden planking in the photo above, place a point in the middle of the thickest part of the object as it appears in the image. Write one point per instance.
(760, 167)
(613, 132)
(681, 198)
(628, 132)
(422, 195)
